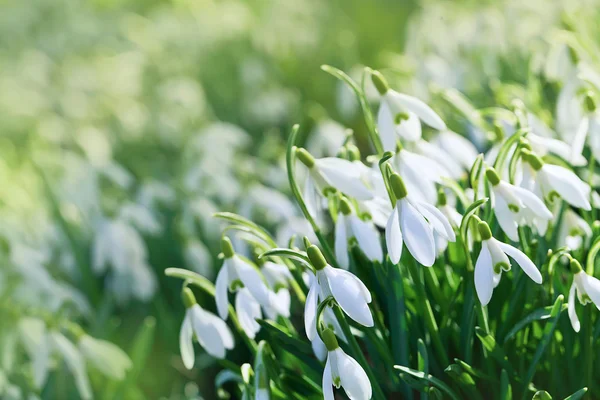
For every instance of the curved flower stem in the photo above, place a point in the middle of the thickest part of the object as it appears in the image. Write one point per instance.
(358, 354)
(290, 159)
(427, 313)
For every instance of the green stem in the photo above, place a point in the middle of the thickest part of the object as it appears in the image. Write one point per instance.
(427, 313)
(358, 354)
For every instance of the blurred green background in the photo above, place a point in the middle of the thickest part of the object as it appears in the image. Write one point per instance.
(125, 124)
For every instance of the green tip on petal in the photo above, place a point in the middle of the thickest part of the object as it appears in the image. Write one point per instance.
(188, 298)
(573, 55)
(227, 247)
(402, 116)
(397, 186)
(380, 82)
(329, 339)
(484, 230)
(492, 176)
(575, 266)
(345, 206)
(441, 198)
(305, 157)
(316, 257)
(306, 242)
(590, 101)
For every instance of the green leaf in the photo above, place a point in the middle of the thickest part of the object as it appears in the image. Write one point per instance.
(475, 172)
(428, 378)
(505, 388)
(541, 395)
(494, 349)
(578, 394)
(192, 278)
(296, 255)
(538, 315)
(254, 228)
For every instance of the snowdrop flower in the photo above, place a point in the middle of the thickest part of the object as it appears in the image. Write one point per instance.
(348, 291)
(105, 356)
(548, 181)
(212, 333)
(514, 206)
(574, 231)
(346, 176)
(493, 259)
(237, 273)
(413, 223)
(458, 147)
(343, 370)
(349, 225)
(278, 277)
(587, 289)
(453, 217)
(400, 115)
(420, 174)
(588, 129)
(248, 311)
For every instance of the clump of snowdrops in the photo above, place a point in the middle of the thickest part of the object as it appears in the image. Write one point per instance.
(438, 269)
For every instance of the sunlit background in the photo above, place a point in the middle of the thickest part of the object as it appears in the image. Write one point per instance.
(125, 124)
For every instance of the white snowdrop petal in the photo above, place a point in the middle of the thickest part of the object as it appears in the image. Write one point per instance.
(345, 176)
(209, 329)
(568, 185)
(186, 346)
(423, 111)
(75, 363)
(341, 242)
(252, 280)
(524, 262)
(438, 220)
(350, 293)
(578, 141)
(393, 237)
(353, 377)
(409, 129)
(533, 202)
(248, 310)
(506, 218)
(41, 361)
(386, 127)
(221, 290)
(484, 279)
(319, 348)
(571, 309)
(417, 234)
(592, 288)
(327, 381)
(367, 237)
(310, 311)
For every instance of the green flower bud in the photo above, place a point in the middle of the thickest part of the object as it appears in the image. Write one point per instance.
(227, 247)
(590, 101)
(329, 339)
(532, 159)
(575, 266)
(188, 298)
(305, 157)
(484, 230)
(345, 206)
(353, 152)
(541, 395)
(397, 186)
(380, 82)
(316, 257)
(441, 198)
(492, 176)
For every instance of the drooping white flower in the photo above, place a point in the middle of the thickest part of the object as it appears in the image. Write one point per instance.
(278, 278)
(515, 206)
(349, 225)
(349, 292)
(587, 289)
(453, 217)
(458, 147)
(420, 174)
(588, 129)
(212, 332)
(237, 273)
(574, 231)
(248, 311)
(349, 177)
(413, 223)
(400, 115)
(547, 181)
(493, 259)
(341, 370)
(105, 356)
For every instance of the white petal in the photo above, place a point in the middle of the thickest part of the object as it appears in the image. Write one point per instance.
(592, 288)
(211, 331)
(41, 359)
(393, 237)
(345, 176)
(417, 234)
(281, 303)
(221, 290)
(319, 348)
(186, 347)
(534, 203)
(578, 142)
(571, 309)
(252, 280)
(386, 127)
(327, 381)
(498, 256)
(524, 262)
(311, 197)
(75, 363)
(354, 378)
(351, 294)
(423, 111)
(341, 242)
(440, 157)
(367, 237)
(248, 310)
(506, 218)
(484, 275)
(310, 311)
(410, 129)
(568, 185)
(438, 220)
(460, 148)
